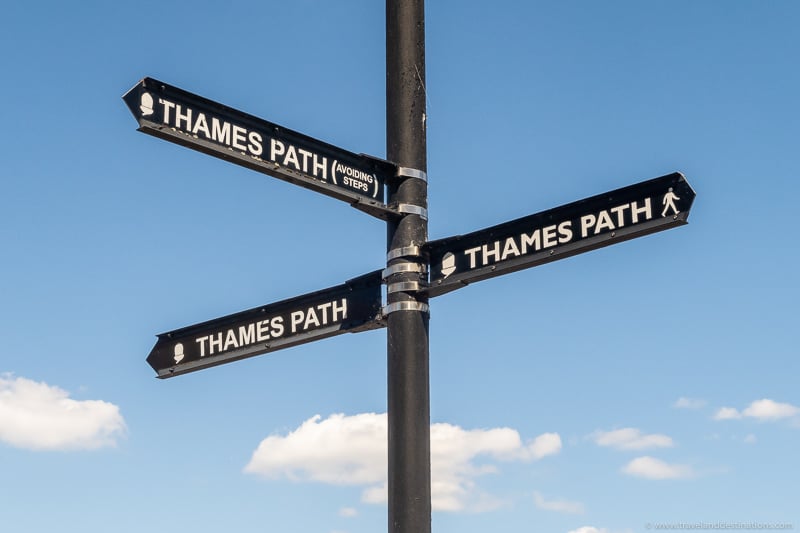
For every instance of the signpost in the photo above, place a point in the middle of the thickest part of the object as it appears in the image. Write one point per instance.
(416, 269)
(195, 122)
(407, 341)
(602, 220)
(350, 307)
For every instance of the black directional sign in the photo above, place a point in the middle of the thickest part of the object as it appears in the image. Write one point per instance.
(201, 124)
(581, 226)
(350, 307)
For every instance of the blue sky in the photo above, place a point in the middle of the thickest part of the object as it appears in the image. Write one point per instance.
(650, 382)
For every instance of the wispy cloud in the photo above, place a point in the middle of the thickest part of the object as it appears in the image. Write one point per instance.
(764, 410)
(355, 454)
(689, 403)
(348, 512)
(727, 413)
(560, 506)
(631, 439)
(38, 416)
(652, 468)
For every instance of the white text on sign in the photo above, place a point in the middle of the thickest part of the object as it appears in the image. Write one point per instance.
(262, 331)
(259, 145)
(564, 232)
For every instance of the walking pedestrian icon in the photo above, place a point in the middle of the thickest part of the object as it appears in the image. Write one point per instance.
(669, 203)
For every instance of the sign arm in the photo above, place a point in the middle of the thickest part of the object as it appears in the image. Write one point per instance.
(616, 216)
(352, 306)
(192, 121)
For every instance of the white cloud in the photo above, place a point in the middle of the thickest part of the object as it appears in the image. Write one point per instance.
(750, 439)
(338, 450)
(348, 512)
(631, 439)
(544, 445)
(651, 468)
(38, 416)
(376, 494)
(727, 413)
(770, 410)
(764, 410)
(352, 450)
(689, 403)
(560, 506)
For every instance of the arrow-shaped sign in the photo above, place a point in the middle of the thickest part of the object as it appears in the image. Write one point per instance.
(350, 307)
(207, 126)
(647, 207)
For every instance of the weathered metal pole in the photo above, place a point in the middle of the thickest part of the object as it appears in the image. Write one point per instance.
(407, 350)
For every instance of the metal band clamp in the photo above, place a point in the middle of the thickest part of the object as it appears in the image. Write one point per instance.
(405, 306)
(402, 286)
(411, 209)
(416, 268)
(405, 172)
(405, 251)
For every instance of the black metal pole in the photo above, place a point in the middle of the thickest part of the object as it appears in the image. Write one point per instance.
(407, 349)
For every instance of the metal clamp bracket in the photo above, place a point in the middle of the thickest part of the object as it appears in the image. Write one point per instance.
(405, 172)
(405, 251)
(411, 209)
(403, 286)
(416, 268)
(405, 306)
